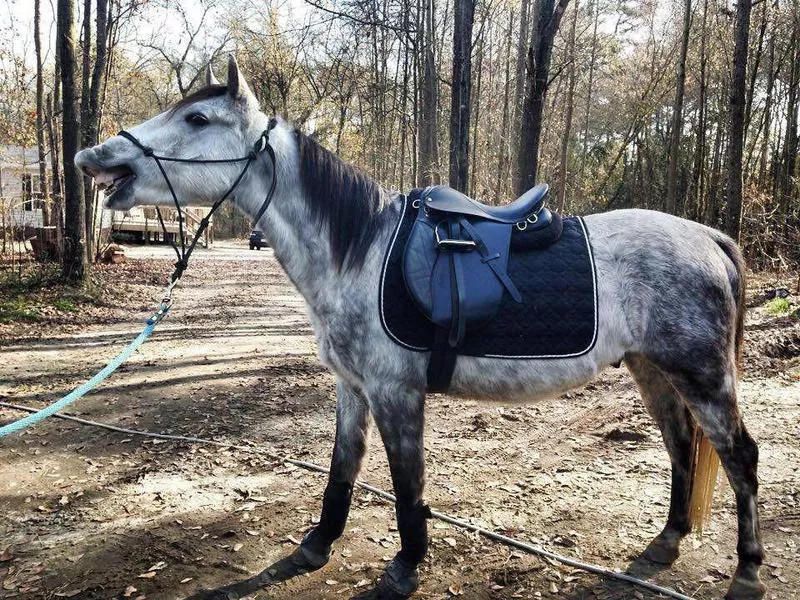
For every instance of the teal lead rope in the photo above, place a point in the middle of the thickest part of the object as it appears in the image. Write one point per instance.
(81, 391)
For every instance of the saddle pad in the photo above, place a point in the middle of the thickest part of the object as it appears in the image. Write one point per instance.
(558, 317)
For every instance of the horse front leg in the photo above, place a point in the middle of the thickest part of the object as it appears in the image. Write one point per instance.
(348, 451)
(315, 549)
(400, 418)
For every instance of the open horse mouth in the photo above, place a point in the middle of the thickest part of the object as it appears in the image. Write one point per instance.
(112, 181)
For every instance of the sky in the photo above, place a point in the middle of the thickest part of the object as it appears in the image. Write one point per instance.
(16, 17)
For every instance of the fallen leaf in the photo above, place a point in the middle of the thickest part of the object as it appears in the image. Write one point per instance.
(186, 579)
(129, 591)
(68, 594)
(148, 575)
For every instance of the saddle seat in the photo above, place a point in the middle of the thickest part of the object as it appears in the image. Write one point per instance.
(455, 261)
(448, 200)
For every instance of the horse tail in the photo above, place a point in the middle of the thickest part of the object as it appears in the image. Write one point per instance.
(705, 461)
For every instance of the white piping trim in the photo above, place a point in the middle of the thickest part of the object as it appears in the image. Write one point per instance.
(385, 268)
(398, 341)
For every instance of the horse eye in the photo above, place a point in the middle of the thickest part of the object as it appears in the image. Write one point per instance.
(197, 119)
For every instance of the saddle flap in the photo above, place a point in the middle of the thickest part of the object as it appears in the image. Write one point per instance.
(433, 277)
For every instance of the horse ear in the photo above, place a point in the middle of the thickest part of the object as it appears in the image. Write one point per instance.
(237, 86)
(233, 76)
(210, 77)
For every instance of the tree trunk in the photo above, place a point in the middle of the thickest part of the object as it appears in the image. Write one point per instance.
(791, 142)
(86, 62)
(672, 200)
(46, 217)
(767, 120)
(545, 26)
(464, 14)
(504, 147)
(74, 259)
(589, 90)
(562, 169)
(57, 215)
(522, 53)
(473, 178)
(699, 171)
(733, 209)
(429, 127)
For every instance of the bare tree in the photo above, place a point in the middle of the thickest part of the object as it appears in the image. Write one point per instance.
(671, 204)
(545, 25)
(464, 14)
(733, 210)
(74, 257)
(37, 39)
(429, 100)
(561, 189)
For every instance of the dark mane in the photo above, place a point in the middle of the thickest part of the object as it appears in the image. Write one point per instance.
(342, 198)
(211, 91)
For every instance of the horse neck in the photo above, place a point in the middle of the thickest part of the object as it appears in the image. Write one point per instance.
(302, 248)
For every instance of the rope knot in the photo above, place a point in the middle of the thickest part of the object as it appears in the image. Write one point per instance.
(180, 267)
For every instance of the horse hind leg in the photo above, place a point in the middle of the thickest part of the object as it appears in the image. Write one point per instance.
(710, 394)
(670, 413)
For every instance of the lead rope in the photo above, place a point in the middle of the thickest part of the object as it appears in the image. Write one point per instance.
(261, 145)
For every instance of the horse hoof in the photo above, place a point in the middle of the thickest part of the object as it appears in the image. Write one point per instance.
(662, 551)
(213, 595)
(303, 560)
(743, 588)
(399, 581)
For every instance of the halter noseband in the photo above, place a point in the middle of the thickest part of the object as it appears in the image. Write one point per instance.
(261, 145)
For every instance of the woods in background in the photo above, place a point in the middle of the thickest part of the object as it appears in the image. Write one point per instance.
(687, 106)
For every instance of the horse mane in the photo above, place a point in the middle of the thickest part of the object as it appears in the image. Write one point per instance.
(341, 198)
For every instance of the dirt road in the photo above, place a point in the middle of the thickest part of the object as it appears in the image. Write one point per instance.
(88, 513)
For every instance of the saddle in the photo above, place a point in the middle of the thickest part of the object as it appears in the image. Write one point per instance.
(455, 263)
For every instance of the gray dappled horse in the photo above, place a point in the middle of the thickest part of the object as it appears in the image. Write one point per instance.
(670, 297)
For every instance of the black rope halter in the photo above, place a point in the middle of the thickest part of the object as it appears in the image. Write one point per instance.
(261, 145)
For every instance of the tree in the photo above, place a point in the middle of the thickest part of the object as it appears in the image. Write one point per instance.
(74, 256)
(461, 91)
(429, 100)
(561, 189)
(733, 209)
(545, 25)
(37, 40)
(671, 204)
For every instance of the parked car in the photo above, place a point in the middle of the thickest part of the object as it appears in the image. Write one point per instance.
(257, 241)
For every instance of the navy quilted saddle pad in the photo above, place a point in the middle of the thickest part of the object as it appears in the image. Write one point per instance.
(558, 316)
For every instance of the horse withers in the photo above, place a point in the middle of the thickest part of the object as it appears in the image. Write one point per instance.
(669, 297)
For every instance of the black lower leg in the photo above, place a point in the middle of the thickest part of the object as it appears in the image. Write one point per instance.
(413, 527)
(681, 489)
(335, 508)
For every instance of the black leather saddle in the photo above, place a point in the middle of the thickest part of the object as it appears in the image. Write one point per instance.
(455, 261)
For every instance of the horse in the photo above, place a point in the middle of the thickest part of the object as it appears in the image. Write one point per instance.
(670, 301)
